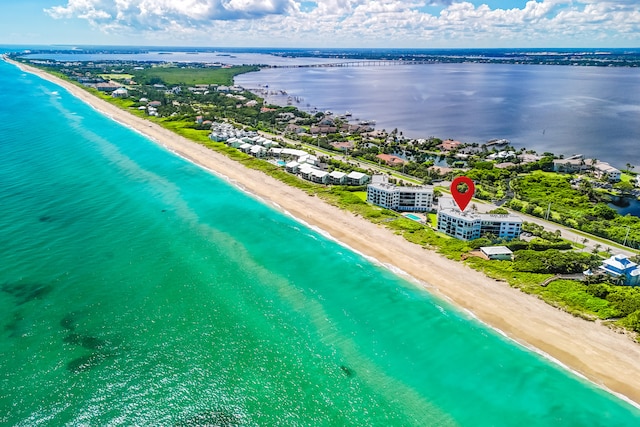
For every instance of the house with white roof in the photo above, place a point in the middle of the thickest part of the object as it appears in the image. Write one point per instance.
(293, 153)
(497, 252)
(292, 167)
(337, 178)
(245, 148)
(319, 177)
(120, 93)
(357, 178)
(218, 137)
(621, 267)
(275, 151)
(235, 142)
(257, 151)
(306, 171)
(606, 171)
(308, 158)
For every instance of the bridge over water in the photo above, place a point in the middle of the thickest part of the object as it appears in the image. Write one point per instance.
(371, 63)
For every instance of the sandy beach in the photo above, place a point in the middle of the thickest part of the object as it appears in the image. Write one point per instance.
(605, 357)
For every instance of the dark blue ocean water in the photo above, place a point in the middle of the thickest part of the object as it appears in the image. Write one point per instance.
(138, 289)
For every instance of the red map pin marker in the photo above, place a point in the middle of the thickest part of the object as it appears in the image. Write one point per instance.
(462, 199)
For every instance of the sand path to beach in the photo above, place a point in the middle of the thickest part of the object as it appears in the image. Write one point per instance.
(603, 356)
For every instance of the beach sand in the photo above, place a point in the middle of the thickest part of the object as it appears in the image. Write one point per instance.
(607, 358)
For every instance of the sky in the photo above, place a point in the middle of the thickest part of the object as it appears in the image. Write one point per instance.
(323, 23)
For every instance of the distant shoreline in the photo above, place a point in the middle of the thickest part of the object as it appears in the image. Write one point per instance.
(592, 57)
(604, 357)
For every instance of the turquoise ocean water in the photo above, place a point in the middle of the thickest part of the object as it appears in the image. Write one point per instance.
(138, 289)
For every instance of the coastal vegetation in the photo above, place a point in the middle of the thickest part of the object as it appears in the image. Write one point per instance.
(527, 184)
(578, 206)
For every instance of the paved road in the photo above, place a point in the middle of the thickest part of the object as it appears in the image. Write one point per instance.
(566, 232)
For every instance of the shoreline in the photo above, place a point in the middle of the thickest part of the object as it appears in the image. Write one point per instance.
(604, 357)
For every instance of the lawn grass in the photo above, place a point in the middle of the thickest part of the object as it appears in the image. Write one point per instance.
(362, 195)
(191, 76)
(116, 76)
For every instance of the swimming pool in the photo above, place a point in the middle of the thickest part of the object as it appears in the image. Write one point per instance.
(414, 217)
(281, 163)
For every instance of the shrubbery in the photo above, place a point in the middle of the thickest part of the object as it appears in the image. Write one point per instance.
(553, 261)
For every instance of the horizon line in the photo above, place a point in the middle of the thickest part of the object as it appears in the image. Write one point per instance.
(312, 47)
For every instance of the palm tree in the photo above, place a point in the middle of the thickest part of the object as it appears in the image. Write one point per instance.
(585, 241)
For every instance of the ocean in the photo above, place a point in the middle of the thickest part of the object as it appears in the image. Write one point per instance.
(139, 289)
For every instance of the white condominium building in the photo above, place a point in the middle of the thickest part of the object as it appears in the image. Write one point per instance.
(471, 225)
(403, 199)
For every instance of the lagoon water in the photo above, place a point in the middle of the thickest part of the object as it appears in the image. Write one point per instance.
(594, 111)
(139, 289)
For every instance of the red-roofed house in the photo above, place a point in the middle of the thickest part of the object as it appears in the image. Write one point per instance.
(449, 145)
(390, 159)
(343, 145)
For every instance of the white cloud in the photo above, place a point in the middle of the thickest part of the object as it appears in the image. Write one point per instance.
(363, 22)
(155, 12)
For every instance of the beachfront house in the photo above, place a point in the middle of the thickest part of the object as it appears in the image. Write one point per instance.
(120, 93)
(319, 177)
(292, 167)
(107, 86)
(235, 142)
(497, 252)
(357, 178)
(337, 178)
(245, 148)
(623, 269)
(257, 151)
(306, 171)
(403, 199)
